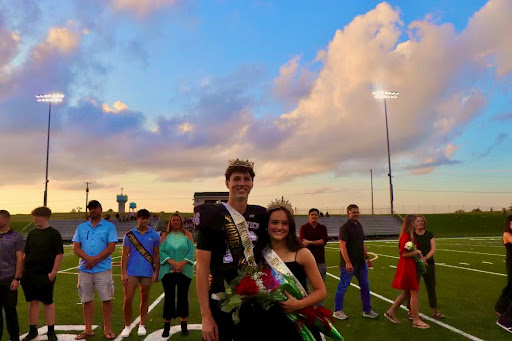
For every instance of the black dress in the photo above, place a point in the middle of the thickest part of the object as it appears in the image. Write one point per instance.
(506, 294)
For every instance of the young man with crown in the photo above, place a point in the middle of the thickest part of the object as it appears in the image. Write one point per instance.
(227, 235)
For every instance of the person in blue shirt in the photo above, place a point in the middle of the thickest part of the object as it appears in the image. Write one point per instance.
(94, 242)
(140, 263)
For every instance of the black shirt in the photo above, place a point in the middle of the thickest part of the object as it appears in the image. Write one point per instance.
(353, 234)
(41, 248)
(210, 220)
(424, 243)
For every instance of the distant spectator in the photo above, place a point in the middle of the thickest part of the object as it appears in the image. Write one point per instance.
(327, 214)
(43, 255)
(11, 261)
(321, 214)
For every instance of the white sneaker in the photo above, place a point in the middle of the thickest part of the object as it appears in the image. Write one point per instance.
(142, 330)
(126, 331)
(340, 315)
(371, 314)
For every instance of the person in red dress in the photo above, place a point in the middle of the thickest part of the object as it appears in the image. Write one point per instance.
(406, 278)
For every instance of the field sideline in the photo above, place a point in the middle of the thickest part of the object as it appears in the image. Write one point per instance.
(471, 274)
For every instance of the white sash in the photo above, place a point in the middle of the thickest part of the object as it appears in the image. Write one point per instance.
(277, 264)
(243, 231)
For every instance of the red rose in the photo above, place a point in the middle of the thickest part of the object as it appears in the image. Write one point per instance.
(247, 286)
(268, 280)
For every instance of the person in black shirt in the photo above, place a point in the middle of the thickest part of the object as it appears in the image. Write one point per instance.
(354, 260)
(220, 251)
(43, 255)
(427, 246)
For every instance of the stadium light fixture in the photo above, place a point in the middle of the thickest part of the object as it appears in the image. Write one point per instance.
(49, 98)
(384, 94)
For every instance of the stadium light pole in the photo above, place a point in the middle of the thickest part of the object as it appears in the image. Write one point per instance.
(49, 98)
(382, 94)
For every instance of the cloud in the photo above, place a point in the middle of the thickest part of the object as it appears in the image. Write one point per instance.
(440, 157)
(503, 117)
(117, 107)
(335, 125)
(498, 141)
(293, 82)
(142, 8)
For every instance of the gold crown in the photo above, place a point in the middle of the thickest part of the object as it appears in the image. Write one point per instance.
(241, 163)
(280, 203)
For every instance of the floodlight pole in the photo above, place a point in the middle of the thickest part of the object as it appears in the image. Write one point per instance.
(47, 155)
(382, 94)
(389, 160)
(56, 98)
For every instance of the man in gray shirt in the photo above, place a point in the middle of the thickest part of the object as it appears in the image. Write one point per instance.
(11, 263)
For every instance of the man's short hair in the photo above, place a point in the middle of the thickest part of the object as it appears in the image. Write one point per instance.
(42, 212)
(5, 214)
(313, 210)
(94, 204)
(351, 206)
(143, 213)
(239, 169)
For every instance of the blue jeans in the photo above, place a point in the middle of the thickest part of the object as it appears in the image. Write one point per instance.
(361, 273)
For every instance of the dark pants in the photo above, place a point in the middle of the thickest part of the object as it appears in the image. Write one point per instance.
(8, 302)
(505, 299)
(430, 283)
(361, 273)
(170, 281)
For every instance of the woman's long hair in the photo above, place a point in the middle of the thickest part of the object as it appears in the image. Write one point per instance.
(169, 227)
(292, 241)
(507, 224)
(408, 225)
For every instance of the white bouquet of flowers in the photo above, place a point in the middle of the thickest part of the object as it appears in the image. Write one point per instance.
(410, 246)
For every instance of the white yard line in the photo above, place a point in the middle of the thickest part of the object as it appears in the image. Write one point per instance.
(486, 262)
(462, 263)
(137, 320)
(453, 266)
(472, 252)
(425, 317)
(460, 251)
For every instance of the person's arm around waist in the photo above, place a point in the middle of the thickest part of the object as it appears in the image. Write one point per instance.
(209, 327)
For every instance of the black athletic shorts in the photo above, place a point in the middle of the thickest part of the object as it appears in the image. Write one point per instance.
(38, 287)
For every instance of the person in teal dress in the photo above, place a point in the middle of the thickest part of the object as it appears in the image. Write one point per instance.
(176, 272)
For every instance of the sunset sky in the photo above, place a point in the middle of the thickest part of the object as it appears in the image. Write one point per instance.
(159, 94)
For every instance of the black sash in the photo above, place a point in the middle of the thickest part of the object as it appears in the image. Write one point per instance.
(139, 247)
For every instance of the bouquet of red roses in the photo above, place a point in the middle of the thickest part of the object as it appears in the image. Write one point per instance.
(251, 284)
(265, 286)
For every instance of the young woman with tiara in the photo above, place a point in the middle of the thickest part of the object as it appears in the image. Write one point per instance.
(285, 254)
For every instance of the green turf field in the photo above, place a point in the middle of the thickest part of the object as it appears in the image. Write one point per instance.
(466, 294)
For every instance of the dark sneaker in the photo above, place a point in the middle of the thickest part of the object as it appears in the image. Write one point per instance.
(504, 325)
(30, 336)
(370, 314)
(52, 337)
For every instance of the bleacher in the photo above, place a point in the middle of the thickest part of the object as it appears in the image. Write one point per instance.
(67, 227)
(375, 226)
